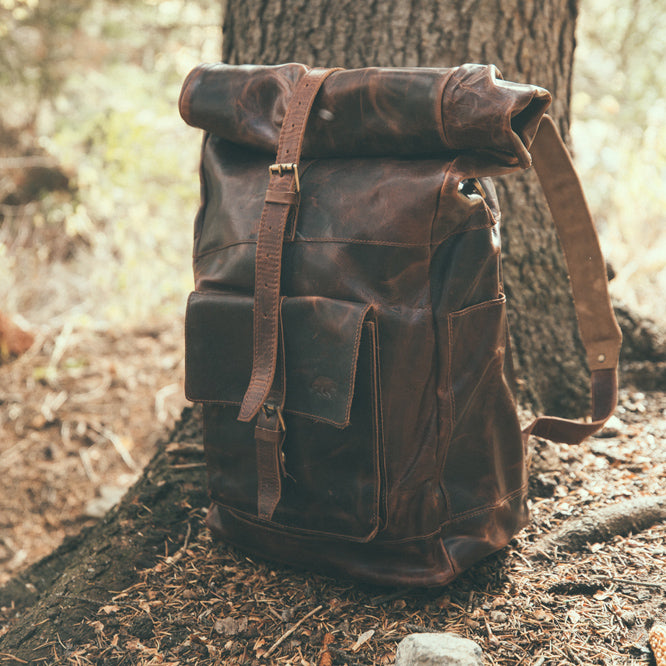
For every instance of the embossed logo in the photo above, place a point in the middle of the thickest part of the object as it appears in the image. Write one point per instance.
(325, 387)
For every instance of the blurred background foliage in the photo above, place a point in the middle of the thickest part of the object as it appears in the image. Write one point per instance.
(98, 174)
(619, 138)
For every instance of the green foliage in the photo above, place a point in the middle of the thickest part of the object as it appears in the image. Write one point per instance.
(619, 112)
(36, 40)
(112, 122)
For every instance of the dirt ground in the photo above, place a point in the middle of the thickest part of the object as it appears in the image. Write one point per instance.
(80, 415)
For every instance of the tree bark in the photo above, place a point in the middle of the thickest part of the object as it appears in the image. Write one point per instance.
(529, 42)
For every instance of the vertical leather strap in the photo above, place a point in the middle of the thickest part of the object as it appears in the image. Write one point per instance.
(269, 437)
(599, 330)
(281, 202)
(269, 434)
(265, 394)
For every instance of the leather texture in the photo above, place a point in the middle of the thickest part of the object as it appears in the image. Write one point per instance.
(377, 434)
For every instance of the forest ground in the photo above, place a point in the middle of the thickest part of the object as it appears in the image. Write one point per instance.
(75, 438)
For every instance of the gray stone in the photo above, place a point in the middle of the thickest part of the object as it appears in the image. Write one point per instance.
(443, 649)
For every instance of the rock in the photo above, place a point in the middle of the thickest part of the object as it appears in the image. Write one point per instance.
(109, 496)
(612, 428)
(438, 649)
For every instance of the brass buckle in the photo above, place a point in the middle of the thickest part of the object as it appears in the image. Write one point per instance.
(270, 410)
(279, 169)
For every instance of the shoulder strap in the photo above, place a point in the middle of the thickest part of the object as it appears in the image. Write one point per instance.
(599, 330)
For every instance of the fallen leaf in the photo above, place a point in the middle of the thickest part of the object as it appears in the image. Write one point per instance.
(109, 609)
(326, 658)
(363, 638)
(230, 626)
(97, 626)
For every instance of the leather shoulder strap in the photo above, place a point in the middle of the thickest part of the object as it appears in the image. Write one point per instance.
(281, 202)
(599, 330)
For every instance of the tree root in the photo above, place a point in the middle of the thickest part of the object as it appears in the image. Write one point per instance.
(619, 519)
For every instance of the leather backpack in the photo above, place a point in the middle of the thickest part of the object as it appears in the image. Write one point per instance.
(347, 334)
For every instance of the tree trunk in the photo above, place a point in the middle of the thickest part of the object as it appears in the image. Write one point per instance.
(530, 42)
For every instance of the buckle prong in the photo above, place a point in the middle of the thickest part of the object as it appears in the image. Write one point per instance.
(270, 410)
(283, 167)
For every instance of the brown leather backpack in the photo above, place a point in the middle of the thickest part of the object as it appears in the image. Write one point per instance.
(347, 334)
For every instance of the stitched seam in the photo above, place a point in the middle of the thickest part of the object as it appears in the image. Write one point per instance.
(203, 182)
(456, 517)
(352, 370)
(280, 527)
(485, 305)
(449, 382)
(379, 469)
(346, 241)
(293, 412)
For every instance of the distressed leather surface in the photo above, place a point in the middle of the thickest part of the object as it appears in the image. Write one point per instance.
(371, 112)
(218, 337)
(403, 456)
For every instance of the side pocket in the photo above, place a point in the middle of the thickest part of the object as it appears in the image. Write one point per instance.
(484, 462)
(333, 445)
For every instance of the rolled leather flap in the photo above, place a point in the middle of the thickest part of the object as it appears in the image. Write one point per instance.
(322, 337)
(371, 112)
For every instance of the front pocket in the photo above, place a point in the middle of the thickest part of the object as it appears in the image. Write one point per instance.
(333, 445)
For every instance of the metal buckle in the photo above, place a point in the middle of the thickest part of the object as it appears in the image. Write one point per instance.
(270, 410)
(279, 169)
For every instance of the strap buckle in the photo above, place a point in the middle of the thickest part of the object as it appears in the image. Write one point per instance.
(283, 167)
(274, 410)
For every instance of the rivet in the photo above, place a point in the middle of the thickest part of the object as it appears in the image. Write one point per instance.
(601, 358)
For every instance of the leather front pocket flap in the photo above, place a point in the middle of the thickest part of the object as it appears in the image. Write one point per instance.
(321, 347)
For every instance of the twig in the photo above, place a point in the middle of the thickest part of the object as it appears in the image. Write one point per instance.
(289, 632)
(401, 592)
(416, 628)
(87, 466)
(172, 559)
(626, 581)
(4, 655)
(573, 655)
(117, 445)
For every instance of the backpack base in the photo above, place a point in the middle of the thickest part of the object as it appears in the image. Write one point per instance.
(428, 561)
